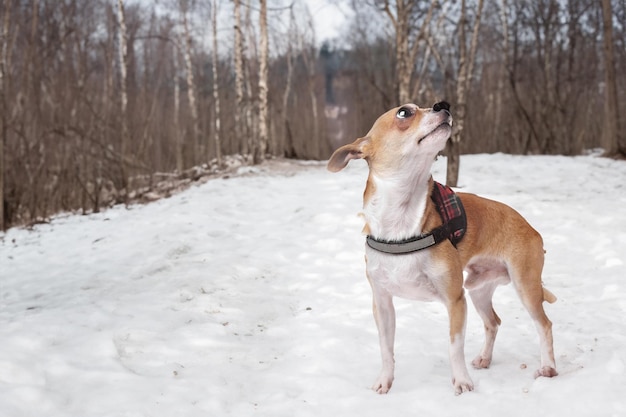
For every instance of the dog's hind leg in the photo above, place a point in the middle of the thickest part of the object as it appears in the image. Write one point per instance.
(481, 298)
(482, 280)
(534, 305)
(525, 273)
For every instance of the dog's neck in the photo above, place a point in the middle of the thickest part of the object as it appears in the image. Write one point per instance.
(394, 206)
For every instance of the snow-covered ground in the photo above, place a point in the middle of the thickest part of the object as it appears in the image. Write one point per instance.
(246, 296)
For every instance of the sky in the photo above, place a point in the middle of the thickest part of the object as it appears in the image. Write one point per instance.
(329, 17)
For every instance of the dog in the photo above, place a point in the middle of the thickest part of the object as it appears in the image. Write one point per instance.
(403, 258)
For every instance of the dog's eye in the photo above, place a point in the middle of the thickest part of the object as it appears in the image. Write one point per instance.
(404, 112)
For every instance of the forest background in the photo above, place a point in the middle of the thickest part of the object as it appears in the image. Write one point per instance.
(103, 100)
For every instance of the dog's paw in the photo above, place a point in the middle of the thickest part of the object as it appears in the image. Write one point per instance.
(461, 386)
(383, 384)
(546, 371)
(481, 363)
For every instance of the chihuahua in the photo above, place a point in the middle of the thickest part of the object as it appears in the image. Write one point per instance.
(413, 252)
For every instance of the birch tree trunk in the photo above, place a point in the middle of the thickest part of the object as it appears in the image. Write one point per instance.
(406, 52)
(216, 96)
(610, 140)
(504, 66)
(3, 102)
(402, 50)
(251, 124)
(123, 52)
(289, 150)
(178, 137)
(261, 148)
(464, 79)
(239, 74)
(400, 22)
(308, 58)
(191, 86)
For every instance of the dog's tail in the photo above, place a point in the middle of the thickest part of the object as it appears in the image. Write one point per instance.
(548, 296)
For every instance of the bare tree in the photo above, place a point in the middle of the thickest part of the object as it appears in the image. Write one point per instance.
(177, 125)
(261, 148)
(4, 47)
(504, 65)
(216, 96)
(610, 131)
(191, 86)
(123, 56)
(289, 149)
(463, 84)
(407, 46)
(239, 81)
(309, 59)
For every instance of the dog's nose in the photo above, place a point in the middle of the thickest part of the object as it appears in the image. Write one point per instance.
(442, 105)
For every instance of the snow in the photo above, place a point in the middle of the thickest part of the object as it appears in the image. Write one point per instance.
(246, 296)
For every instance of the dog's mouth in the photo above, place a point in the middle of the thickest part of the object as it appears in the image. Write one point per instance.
(443, 125)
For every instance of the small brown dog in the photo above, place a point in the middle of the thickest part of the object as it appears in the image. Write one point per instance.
(406, 256)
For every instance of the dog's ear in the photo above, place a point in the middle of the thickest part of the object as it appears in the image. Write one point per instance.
(340, 158)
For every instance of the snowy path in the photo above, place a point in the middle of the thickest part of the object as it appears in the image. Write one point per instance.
(247, 297)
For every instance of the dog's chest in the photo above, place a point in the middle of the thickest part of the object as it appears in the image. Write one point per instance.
(413, 276)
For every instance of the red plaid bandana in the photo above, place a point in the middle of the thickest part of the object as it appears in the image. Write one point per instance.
(451, 211)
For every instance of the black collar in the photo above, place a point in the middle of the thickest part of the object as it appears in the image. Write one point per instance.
(413, 244)
(454, 225)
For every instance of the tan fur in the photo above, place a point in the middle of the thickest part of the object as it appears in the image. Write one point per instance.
(499, 245)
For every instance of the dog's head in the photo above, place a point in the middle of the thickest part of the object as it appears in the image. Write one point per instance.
(405, 134)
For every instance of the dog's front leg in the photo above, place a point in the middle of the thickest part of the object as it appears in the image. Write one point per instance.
(385, 316)
(457, 310)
